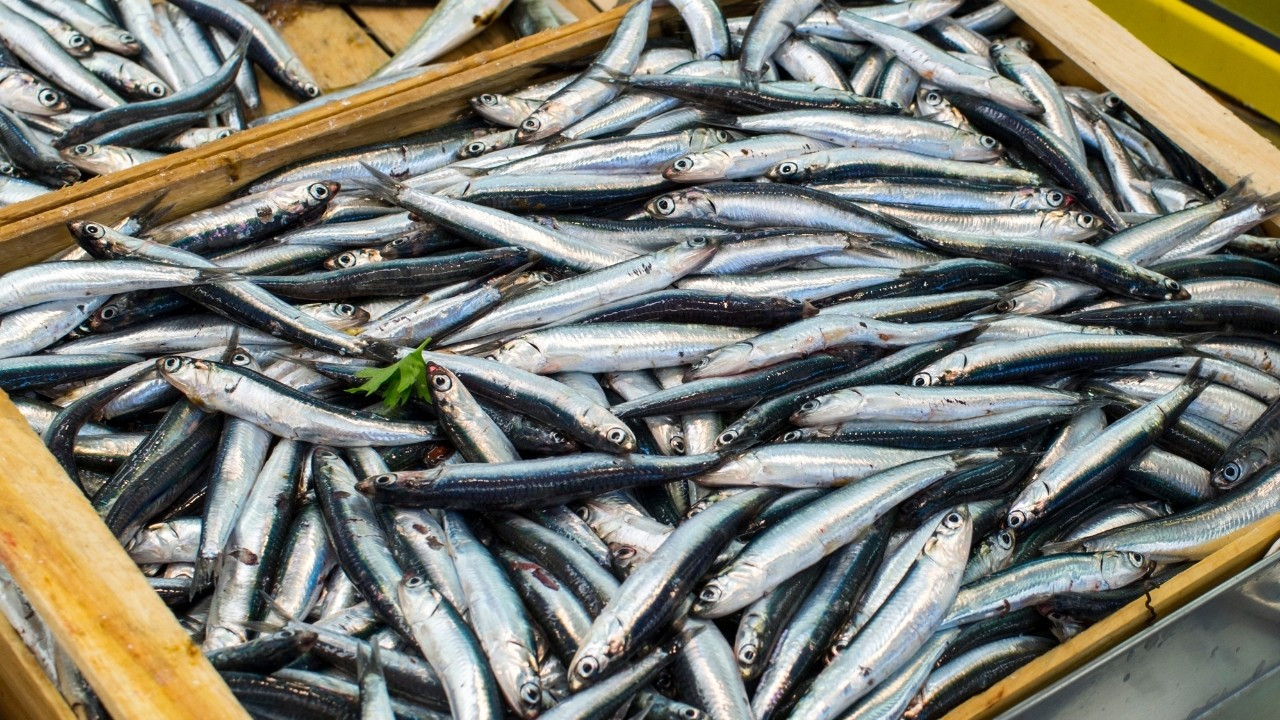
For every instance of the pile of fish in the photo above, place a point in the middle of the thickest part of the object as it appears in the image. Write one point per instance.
(89, 87)
(831, 364)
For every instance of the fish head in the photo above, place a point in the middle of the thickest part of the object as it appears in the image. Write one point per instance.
(792, 171)
(728, 360)
(353, 258)
(949, 544)
(731, 590)
(300, 78)
(1229, 475)
(703, 166)
(26, 93)
(973, 147)
(193, 377)
(550, 118)
(691, 204)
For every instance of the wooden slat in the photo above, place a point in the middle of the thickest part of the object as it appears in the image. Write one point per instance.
(394, 26)
(26, 693)
(195, 178)
(1155, 89)
(1247, 547)
(98, 606)
(336, 50)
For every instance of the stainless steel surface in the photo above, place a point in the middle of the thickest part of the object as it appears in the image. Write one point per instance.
(1218, 658)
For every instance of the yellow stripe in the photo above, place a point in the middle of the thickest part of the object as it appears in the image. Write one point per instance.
(1234, 63)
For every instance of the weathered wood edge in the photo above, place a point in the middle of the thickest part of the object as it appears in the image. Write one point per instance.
(1247, 547)
(26, 693)
(89, 592)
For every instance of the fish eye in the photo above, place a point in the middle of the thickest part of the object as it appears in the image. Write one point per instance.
(476, 148)
(1056, 616)
(988, 141)
(665, 205)
(310, 90)
(108, 313)
(810, 406)
(933, 98)
(345, 309)
(82, 150)
(683, 163)
(723, 135)
(172, 363)
(1006, 305)
(710, 594)
(241, 359)
(677, 445)
(414, 581)
(319, 191)
(1055, 198)
(285, 634)
(691, 713)
(922, 380)
(1232, 472)
(1016, 519)
(94, 229)
(1005, 538)
(791, 436)
(76, 40)
(727, 438)
(385, 479)
(895, 104)
(998, 47)
(747, 654)
(156, 90)
(489, 99)
(624, 553)
(1172, 285)
(1137, 558)
(346, 259)
(617, 436)
(126, 38)
(531, 693)
(531, 124)
(48, 97)
(953, 520)
(788, 168)
(587, 667)
(441, 382)
(1111, 100)
(583, 512)
(1085, 220)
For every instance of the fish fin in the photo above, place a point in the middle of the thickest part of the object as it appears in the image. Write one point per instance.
(721, 119)
(379, 183)
(1062, 546)
(1189, 343)
(232, 345)
(214, 275)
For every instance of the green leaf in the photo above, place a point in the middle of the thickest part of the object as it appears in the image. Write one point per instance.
(399, 381)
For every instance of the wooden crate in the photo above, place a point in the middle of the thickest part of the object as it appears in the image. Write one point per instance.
(344, 44)
(126, 641)
(340, 44)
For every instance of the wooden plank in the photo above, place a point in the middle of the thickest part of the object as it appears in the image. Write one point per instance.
(1155, 89)
(332, 45)
(394, 26)
(25, 691)
(195, 178)
(98, 606)
(1247, 547)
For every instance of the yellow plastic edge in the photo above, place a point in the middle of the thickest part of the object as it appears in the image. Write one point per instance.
(1210, 50)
